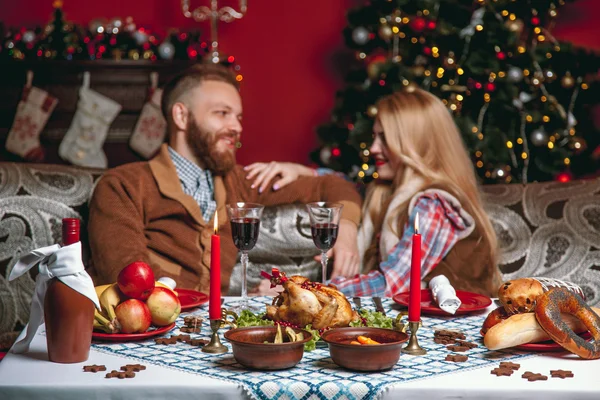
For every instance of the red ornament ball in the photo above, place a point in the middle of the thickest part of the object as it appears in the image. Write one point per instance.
(535, 20)
(501, 55)
(336, 152)
(564, 177)
(431, 25)
(490, 86)
(418, 24)
(427, 50)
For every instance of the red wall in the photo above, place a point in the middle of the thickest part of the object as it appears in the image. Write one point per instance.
(286, 49)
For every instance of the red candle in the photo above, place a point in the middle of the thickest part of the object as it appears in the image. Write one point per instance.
(214, 305)
(414, 302)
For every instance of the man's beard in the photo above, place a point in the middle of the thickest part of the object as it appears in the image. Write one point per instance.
(204, 146)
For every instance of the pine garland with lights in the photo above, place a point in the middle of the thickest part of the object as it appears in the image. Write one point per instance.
(520, 98)
(116, 39)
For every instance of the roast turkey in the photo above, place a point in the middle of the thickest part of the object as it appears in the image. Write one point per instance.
(303, 302)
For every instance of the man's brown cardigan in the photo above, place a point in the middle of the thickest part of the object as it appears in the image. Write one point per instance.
(139, 212)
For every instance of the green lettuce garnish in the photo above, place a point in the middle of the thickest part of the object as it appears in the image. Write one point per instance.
(373, 319)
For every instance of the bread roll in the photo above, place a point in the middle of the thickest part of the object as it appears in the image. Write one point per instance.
(520, 329)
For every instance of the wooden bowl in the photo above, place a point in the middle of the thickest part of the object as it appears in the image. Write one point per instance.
(251, 351)
(374, 357)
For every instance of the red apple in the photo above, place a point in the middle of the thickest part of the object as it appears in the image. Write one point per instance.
(136, 280)
(164, 306)
(133, 316)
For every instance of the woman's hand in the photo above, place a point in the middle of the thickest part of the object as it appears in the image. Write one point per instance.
(264, 289)
(263, 173)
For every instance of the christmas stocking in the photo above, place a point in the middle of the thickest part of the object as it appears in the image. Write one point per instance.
(150, 130)
(82, 144)
(33, 112)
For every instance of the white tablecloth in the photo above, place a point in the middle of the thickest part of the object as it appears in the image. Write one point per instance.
(32, 376)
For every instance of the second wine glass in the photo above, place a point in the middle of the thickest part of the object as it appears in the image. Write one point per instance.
(324, 222)
(245, 225)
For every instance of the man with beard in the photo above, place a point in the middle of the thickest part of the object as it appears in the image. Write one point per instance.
(162, 211)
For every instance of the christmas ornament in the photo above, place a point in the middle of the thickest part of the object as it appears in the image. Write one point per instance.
(150, 129)
(539, 137)
(28, 37)
(375, 66)
(166, 50)
(577, 144)
(96, 26)
(129, 25)
(567, 81)
(33, 112)
(385, 32)
(418, 24)
(450, 61)
(360, 35)
(514, 74)
(501, 172)
(372, 111)
(115, 25)
(140, 37)
(325, 155)
(515, 26)
(82, 144)
(549, 75)
(564, 177)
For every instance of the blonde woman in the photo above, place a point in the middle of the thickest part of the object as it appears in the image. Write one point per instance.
(423, 169)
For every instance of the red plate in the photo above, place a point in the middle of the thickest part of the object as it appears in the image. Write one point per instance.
(549, 345)
(129, 337)
(191, 298)
(471, 302)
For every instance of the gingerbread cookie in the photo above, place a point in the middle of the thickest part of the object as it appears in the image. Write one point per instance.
(165, 341)
(464, 343)
(120, 374)
(460, 349)
(532, 377)
(133, 367)
(502, 371)
(190, 329)
(181, 338)
(510, 365)
(94, 368)
(562, 374)
(456, 358)
(198, 342)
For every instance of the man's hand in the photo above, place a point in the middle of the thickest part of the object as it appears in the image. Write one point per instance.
(345, 252)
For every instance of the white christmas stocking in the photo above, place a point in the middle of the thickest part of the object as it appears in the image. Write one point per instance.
(150, 129)
(82, 144)
(33, 112)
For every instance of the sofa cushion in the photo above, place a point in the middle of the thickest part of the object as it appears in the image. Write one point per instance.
(549, 229)
(34, 198)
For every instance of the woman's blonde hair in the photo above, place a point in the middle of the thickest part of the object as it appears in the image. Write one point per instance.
(420, 132)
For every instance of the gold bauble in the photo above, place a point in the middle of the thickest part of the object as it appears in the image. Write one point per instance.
(385, 32)
(148, 54)
(515, 26)
(133, 55)
(567, 81)
(372, 111)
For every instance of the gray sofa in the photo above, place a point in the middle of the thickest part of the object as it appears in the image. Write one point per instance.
(544, 229)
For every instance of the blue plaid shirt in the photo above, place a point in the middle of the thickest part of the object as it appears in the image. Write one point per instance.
(196, 182)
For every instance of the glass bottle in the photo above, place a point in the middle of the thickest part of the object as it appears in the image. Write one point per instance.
(68, 314)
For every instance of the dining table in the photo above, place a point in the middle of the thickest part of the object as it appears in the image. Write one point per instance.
(183, 371)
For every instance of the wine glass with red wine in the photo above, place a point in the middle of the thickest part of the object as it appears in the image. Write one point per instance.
(324, 222)
(245, 225)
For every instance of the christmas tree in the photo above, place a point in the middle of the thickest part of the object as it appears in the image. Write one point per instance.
(520, 98)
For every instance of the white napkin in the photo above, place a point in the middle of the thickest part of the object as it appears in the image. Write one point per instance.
(54, 262)
(444, 294)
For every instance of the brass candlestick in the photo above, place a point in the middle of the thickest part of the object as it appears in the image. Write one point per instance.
(413, 347)
(215, 346)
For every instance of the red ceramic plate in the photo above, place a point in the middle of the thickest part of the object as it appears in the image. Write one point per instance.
(190, 298)
(129, 337)
(550, 345)
(471, 302)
